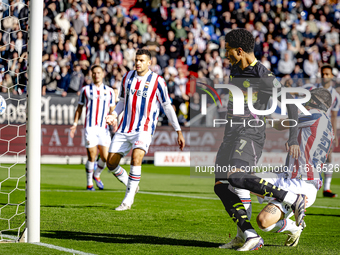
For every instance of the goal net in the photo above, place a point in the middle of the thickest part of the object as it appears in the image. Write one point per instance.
(15, 61)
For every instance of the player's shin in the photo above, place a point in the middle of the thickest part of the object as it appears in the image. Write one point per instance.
(235, 209)
(244, 195)
(132, 185)
(120, 174)
(89, 166)
(100, 168)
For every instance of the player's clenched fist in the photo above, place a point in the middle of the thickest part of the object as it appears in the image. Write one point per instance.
(112, 120)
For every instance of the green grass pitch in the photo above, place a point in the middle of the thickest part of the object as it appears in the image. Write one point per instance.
(173, 214)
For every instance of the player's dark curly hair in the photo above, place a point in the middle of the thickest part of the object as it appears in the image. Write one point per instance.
(323, 95)
(143, 52)
(327, 67)
(96, 66)
(241, 38)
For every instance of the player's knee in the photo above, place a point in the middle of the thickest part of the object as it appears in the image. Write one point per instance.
(136, 161)
(262, 222)
(91, 158)
(111, 165)
(235, 178)
(219, 188)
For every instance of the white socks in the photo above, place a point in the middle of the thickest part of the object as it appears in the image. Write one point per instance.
(100, 168)
(121, 175)
(250, 233)
(134, 178)
(327, 183)
(290, 198)
(89, 166)
(328, 177)
(283, 226)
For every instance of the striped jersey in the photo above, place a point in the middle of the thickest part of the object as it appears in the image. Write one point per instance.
(315, 138)
(98, 102)
(335, 96)
(142, 97)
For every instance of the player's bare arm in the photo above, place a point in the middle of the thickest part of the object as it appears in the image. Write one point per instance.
(180, 140)
(76, 119)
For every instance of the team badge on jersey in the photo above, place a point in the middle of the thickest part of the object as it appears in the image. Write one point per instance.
(276, 83)
(246, 83)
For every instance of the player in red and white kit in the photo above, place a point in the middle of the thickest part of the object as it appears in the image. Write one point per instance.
(99, 101)
(303, 175)
(327, 83)
(142, 94)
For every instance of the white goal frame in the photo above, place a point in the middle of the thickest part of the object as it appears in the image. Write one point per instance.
(33, 121)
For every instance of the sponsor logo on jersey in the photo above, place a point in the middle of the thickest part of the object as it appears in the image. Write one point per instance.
(138, 92)
(239, 152)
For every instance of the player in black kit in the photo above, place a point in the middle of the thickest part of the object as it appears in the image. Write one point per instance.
(242, 144)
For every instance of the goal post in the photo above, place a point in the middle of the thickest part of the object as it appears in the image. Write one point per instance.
(33, 139)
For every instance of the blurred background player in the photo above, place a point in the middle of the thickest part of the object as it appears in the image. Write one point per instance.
(142, 93)
(327, 82)
(99, 101)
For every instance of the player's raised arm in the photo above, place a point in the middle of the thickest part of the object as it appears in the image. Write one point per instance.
(163, 96)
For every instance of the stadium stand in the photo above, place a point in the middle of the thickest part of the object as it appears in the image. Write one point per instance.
(293, 39)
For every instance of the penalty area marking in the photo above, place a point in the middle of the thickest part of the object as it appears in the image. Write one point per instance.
(55, 247)
(172, 195)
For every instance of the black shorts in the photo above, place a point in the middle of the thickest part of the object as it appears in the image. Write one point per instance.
(241, 153)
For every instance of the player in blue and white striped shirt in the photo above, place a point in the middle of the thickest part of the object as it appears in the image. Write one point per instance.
(142, 94)
(98, 99)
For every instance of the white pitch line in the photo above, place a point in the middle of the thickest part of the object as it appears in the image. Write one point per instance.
(174, 195)
(59, 248)
(51, 246)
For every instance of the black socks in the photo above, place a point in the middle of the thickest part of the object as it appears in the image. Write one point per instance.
(257, 185)
(233, 206)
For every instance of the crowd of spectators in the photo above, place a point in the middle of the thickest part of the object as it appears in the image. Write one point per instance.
(186, 40)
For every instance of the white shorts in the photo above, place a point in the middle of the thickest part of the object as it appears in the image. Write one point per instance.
(97, 136)
(122, 142)
(295, 186)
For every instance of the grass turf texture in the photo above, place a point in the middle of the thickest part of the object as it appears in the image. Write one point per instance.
(163, 223)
